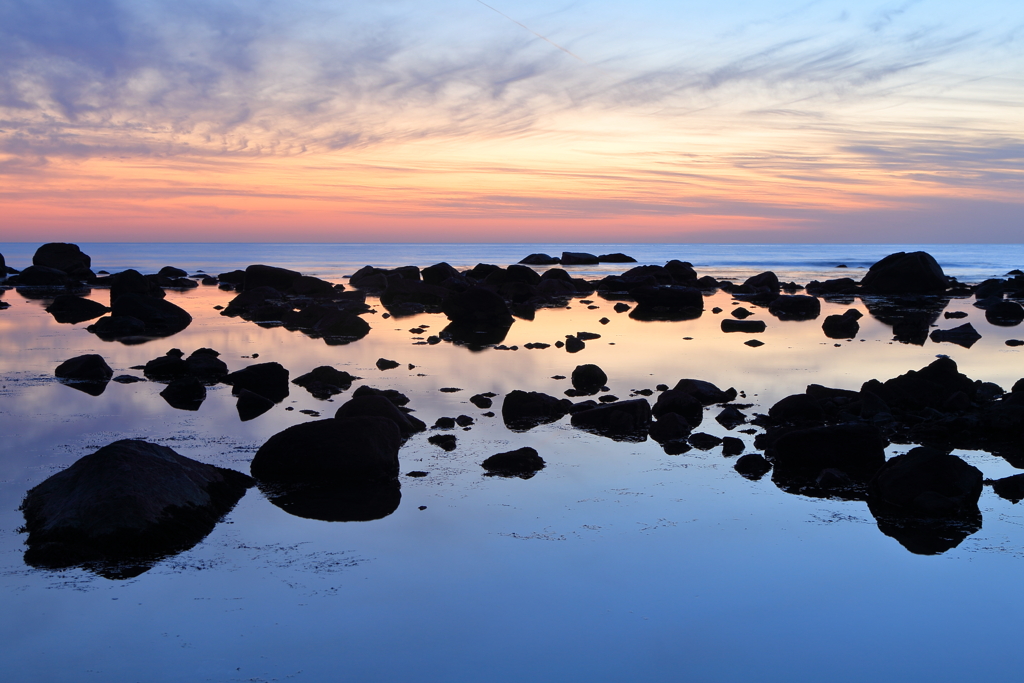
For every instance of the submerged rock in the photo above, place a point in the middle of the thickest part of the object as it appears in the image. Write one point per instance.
(130, 500)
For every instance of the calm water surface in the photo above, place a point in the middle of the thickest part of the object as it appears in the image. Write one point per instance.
(616, 562)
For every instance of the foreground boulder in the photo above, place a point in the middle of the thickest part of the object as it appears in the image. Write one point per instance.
(522, 462)
(795, 307)
(280, 279)
(905, 273)
(129, 500)
(621, 420)
(845, 326)
(351, 450)
(588, 379)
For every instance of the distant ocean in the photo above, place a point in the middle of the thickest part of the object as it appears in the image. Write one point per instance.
(796, 262)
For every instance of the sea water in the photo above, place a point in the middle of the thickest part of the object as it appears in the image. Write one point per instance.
(615, 562)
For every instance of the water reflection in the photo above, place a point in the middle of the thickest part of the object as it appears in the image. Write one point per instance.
(335, 502)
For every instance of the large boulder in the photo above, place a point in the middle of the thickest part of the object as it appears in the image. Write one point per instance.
(621, 420)
(905, 273)
(380, 406)
(67, 308)
(929, 387)
(578, 258)
(845, 326)
(206, 365)
(280, 279)
(929, 482)
(523, 410)
(66, 257)
(351, 450)
(477, 306)
(133, 282)
(130, 499)
(540, 260)
(1005, 314)
(43, 276)
(269, 380)
(160, 317)
(795, 307)
(682, 403)
(965, 335)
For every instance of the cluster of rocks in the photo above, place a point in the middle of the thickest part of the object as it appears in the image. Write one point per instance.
(830, 442)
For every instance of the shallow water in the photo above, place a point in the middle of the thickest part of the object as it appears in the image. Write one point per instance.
(614, 562)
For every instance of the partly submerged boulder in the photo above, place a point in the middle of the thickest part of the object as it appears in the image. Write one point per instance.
(929, 482)
(160, 317)
(801, 456)
(351, 450)
(523, 410)
(269, 380)
(67, 308)
(380, 406)
(129, 500)
(522, 462)
(65, 257)
(325, 381)
(905, 273)
(588, 378)
(88, 373)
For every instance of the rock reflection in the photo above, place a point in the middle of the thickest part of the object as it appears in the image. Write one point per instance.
(335, 503)
(909, 316)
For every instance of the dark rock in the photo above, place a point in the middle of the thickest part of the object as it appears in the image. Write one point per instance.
(41, 276)
(576, 258)
(954, 314)
(766, 280)
(385, 364)
(905, 273)
(730, 417)
(796, 408)
(160, 317)
(588, 379)
(540, 260)
(522, 410)
(748, 326)
(341, 327)
(171, 271)
(752, 466)
(251, 405)
(843, 326)
(930, 483)
(477, 306)
(923, 535)
(965, 335)
(168, 366)
(325, 381)
(621, 421)
(446, 442)
(799, 456)
(464, 420)
(929, 387)
(393, 395)
(187, 393)
(621, 307)
(380, 406)
(1011, 488)
(522, 463)
(206, 365)
(616, 258)
(705, 392)
(64, 257)
(670, 302)
(675, 447)
(574, 344)
(682, 403)
(439, 273)
(133, 282)
(670, 427)
(88, 373)
(444, 423)
(741, 313)
(795, 307)
(351, 450)
(306, 285)
(481, 401)
(732, 446)
(993, 288)
(124, 326)
(1005, 314)
(269, 380)
(754, 342)
(703, 441)
(130, 500)
(67, 308)
(128, 379)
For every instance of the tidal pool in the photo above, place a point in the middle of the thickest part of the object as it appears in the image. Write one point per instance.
(616, 561)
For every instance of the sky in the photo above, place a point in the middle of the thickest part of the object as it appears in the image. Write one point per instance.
(526, 121)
